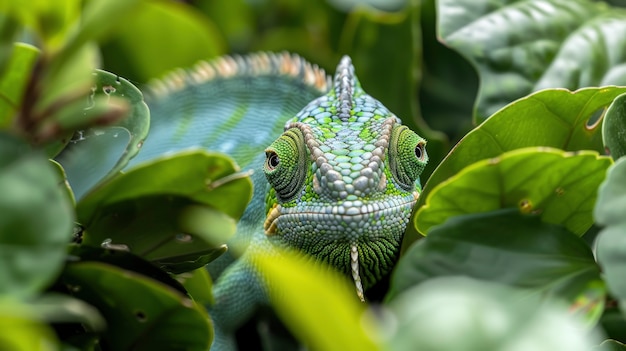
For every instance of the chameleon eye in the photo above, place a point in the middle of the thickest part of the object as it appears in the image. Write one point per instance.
(286, 164)
(271, 160)
(407, 156)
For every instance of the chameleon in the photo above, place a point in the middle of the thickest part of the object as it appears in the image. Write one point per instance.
(335, 173)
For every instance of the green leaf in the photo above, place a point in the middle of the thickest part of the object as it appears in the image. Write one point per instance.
(124, 260)
(507, 247)
(609, 212)
(189, 35)
(306, 312)
(36, 221)
(176, 211)
(22, 330)
(199, 285)
(13, 81)
(458, 313)
(555, 118)
(523, 46)
(614, 128)
(141, 313)
(100, 152)
(559, 186)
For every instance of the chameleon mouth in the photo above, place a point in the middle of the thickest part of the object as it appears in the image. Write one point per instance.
(353, 211)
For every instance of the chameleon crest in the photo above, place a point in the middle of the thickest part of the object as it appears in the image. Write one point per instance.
(344, 178)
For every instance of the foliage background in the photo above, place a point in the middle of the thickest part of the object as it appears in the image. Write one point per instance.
(531, 275)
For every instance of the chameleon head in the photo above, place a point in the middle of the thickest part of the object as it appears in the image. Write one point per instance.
(344, 177)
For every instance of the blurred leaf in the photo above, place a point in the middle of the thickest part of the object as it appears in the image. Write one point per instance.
(559, 186)
(610, 345)
(199, 285)
(36, 221)
(51, 21)
(458, 313)
(56, 308)
(176, 211)
(141, 313)
(322, 318)
(65, 79)
(98, 19)
(523, 46)
(614, 128)
(609, 212)
(13, 81)
(99, 152)
(507, 247)
(21, 330)
(189, 35)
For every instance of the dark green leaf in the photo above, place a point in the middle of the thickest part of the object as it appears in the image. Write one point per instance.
(560, 186)
(36, 221)
(507, 247)
(523, 46)
(614, 128)
(458, 313)
(141, 313)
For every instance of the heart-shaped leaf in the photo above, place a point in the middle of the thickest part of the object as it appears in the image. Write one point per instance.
(560, 186)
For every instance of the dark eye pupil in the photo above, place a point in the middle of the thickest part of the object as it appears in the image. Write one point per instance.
(272, 160)
(418, 151)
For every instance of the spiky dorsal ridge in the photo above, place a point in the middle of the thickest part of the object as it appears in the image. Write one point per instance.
(252, 65)
(345, 86)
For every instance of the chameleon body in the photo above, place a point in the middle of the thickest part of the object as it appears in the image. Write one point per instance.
(335, 172)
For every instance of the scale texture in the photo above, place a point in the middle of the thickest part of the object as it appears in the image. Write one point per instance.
(335, 173)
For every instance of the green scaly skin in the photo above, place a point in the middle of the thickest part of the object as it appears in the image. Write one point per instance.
(343, 176)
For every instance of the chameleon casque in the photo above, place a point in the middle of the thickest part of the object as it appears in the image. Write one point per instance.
(335, 173)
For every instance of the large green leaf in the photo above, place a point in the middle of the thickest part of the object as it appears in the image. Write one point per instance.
(609, 212)
(556, 118)
(523, 46)
(322, 318)
(507, 247)
(614, 128)
(177, 211)
(560, 186)
(134, 48)
(13, 81)
(141, 313)
(458, 313)
(36, 220)
(100, 152)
